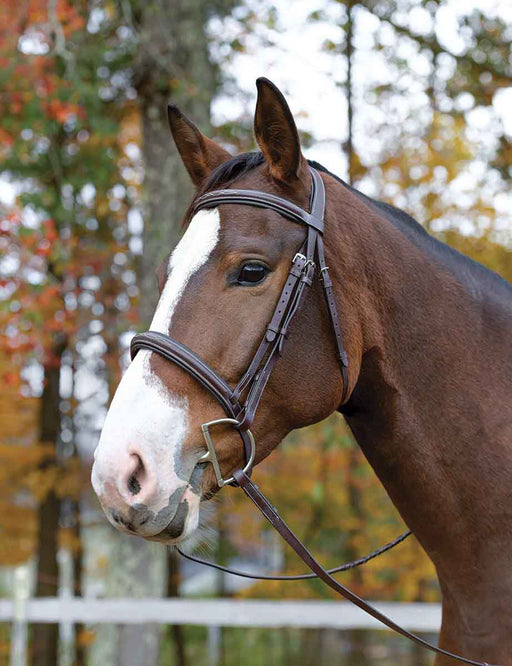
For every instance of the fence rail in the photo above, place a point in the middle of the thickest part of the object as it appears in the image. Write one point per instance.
(219, 612)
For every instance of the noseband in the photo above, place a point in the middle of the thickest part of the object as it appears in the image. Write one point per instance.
(240, 404)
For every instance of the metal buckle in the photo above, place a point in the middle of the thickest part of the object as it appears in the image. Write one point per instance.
(211, 455)
(307, 262)
(299, 255)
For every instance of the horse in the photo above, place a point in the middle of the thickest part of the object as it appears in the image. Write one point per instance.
(426, 388)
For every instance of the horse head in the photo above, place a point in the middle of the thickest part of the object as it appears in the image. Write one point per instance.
(218, 290)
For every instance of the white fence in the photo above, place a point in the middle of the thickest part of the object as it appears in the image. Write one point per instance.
(66, 611)
(219, 612)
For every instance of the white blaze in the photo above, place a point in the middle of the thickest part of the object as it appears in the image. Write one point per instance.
(190, 254)
(145, 416)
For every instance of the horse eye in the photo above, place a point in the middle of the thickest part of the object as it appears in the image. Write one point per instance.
(252, 273)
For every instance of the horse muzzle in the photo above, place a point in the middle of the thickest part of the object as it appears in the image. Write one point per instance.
(133, 501)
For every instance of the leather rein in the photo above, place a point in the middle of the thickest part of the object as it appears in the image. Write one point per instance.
(240, 404)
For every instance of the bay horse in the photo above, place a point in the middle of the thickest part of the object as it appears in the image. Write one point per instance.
(426, 391)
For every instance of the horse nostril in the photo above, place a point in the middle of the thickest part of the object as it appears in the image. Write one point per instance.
(133, 480)
(133, 485)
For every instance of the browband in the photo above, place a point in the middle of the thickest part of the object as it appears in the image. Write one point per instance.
(315, 218)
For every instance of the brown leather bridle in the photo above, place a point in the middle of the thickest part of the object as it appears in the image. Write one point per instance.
(241, 411)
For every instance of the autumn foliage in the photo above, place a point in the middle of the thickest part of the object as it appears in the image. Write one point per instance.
(66, 273)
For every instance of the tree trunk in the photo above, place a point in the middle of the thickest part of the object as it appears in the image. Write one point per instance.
(176, 631)
(45, 636)
(349, 53)
(173, 66)
(78, 565)
(357, 638)
(222, 559)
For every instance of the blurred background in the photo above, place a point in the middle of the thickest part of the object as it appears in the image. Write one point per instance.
(408, 100)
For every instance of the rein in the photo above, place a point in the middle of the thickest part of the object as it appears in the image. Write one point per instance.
(240, 412)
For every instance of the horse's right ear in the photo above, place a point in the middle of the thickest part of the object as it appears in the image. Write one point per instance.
(276, 133)
(200, 154)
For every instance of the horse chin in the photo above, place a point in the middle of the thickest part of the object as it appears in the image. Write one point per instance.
(183, 524)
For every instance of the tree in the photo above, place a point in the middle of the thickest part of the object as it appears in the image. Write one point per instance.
(19, 455)
(429, 164)
(61, 149)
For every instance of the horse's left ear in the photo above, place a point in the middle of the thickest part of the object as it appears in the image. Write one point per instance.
(276, 133)
(200, 154)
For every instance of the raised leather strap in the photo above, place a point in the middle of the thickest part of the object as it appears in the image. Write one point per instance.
(341, 354)
(271, 514)
(317, 198)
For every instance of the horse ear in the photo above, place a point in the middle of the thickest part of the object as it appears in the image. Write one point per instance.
(276, 132)
(200, 154)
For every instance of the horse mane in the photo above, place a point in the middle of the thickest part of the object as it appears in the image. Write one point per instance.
(229, 171)
(465, 269)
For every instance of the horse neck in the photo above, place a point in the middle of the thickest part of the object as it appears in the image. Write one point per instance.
(434, 386)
